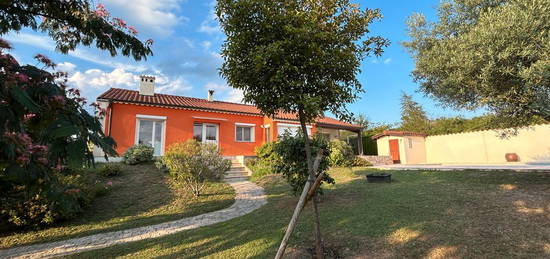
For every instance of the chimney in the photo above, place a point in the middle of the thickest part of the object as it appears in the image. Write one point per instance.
(210, 95)
(147, 85)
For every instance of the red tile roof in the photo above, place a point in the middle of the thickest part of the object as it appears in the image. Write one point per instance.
(398, 133)
(175, 101)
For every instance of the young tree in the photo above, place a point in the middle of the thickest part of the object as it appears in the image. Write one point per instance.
(492, 54)
(413, 116)
(299, 57)
(362, 120)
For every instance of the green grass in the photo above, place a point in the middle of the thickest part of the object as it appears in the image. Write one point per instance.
(463, 214)
(141, 195)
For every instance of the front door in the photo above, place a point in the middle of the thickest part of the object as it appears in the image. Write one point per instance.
(394, 151)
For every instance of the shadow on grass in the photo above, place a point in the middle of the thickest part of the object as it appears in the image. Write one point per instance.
(423, 214)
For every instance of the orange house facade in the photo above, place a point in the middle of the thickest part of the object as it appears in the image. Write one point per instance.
(159, 120)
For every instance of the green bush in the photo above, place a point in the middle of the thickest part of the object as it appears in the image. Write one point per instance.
(68, 193)
(291, 159)
(110, 169)
(259, 167)
(194, 164)
(357, 161)
(138, 154)
(340, 154)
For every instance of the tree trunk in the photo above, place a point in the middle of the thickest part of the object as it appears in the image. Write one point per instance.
(301, 201)
(318, 241)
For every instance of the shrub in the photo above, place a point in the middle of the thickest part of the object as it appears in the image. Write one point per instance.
(110, 169)
(357, 161)
(160, 165)
(259, 167)
(138, 154)
(193, 164)
(341, 153)
(292, 163)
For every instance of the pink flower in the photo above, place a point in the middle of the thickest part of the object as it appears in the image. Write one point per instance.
(22, 159)
(42, 160)
(109, 183)
(22, 78)
(101, 11)
(132, 30)
(149, 42)
(44, 60)
(59, 167)
(58, 99)
(29, 116)
(119, 22)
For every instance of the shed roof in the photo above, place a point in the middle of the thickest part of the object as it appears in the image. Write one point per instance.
(398, 133)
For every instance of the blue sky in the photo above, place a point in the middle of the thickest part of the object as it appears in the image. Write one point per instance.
(186, 55)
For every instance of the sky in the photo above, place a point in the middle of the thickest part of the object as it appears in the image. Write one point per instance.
(186, 59)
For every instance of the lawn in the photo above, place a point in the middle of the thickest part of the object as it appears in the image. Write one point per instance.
(463, 214)
(141, 195)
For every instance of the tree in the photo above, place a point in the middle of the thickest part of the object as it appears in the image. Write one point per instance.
(492, 54)
(299, 57)
(361, 120)
(45, 127)
(74, 22)
(413, 116)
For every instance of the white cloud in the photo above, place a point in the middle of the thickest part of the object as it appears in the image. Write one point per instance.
(45, 42)
(206, 45)
(210, 24)
(65, 67)
(158, 16)
(387, 61)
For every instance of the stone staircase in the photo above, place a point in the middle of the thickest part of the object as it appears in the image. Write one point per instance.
(237, 172)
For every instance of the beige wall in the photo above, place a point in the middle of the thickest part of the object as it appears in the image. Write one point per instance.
(531, 145)
(414, 154)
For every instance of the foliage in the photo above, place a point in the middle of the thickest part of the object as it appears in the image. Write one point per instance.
(360, 162)
(361, 120)
(292, 163)
(340, 153)
(69, 193)
(307, 53)
(138, 154)
(110, 169)
(259, 167)
(70, 23)
(161, 166)
(492, 54)
(413, 116)
(45, 126)
(193, 164)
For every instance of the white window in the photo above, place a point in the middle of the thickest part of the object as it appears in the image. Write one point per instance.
(244, 132)
(150, 131)
(293, 129)
(206, 132)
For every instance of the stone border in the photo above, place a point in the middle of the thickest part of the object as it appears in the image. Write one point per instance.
(249, 197)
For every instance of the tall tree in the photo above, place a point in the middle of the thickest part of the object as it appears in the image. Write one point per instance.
(361, 120)
(492, 54)
(300, 57)
(413, 116)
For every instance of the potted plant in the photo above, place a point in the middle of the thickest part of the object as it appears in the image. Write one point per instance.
(379, 178)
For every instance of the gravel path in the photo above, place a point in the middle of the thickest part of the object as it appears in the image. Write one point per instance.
(248, 197)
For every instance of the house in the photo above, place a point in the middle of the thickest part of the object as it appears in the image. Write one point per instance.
(529, 145)
(159, 120)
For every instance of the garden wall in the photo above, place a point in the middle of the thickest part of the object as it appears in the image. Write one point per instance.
(531, 144)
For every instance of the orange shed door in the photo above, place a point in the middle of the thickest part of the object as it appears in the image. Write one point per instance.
(394, 151)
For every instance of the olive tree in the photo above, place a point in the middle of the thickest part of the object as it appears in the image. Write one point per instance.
(300, 57)
(491, 54)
